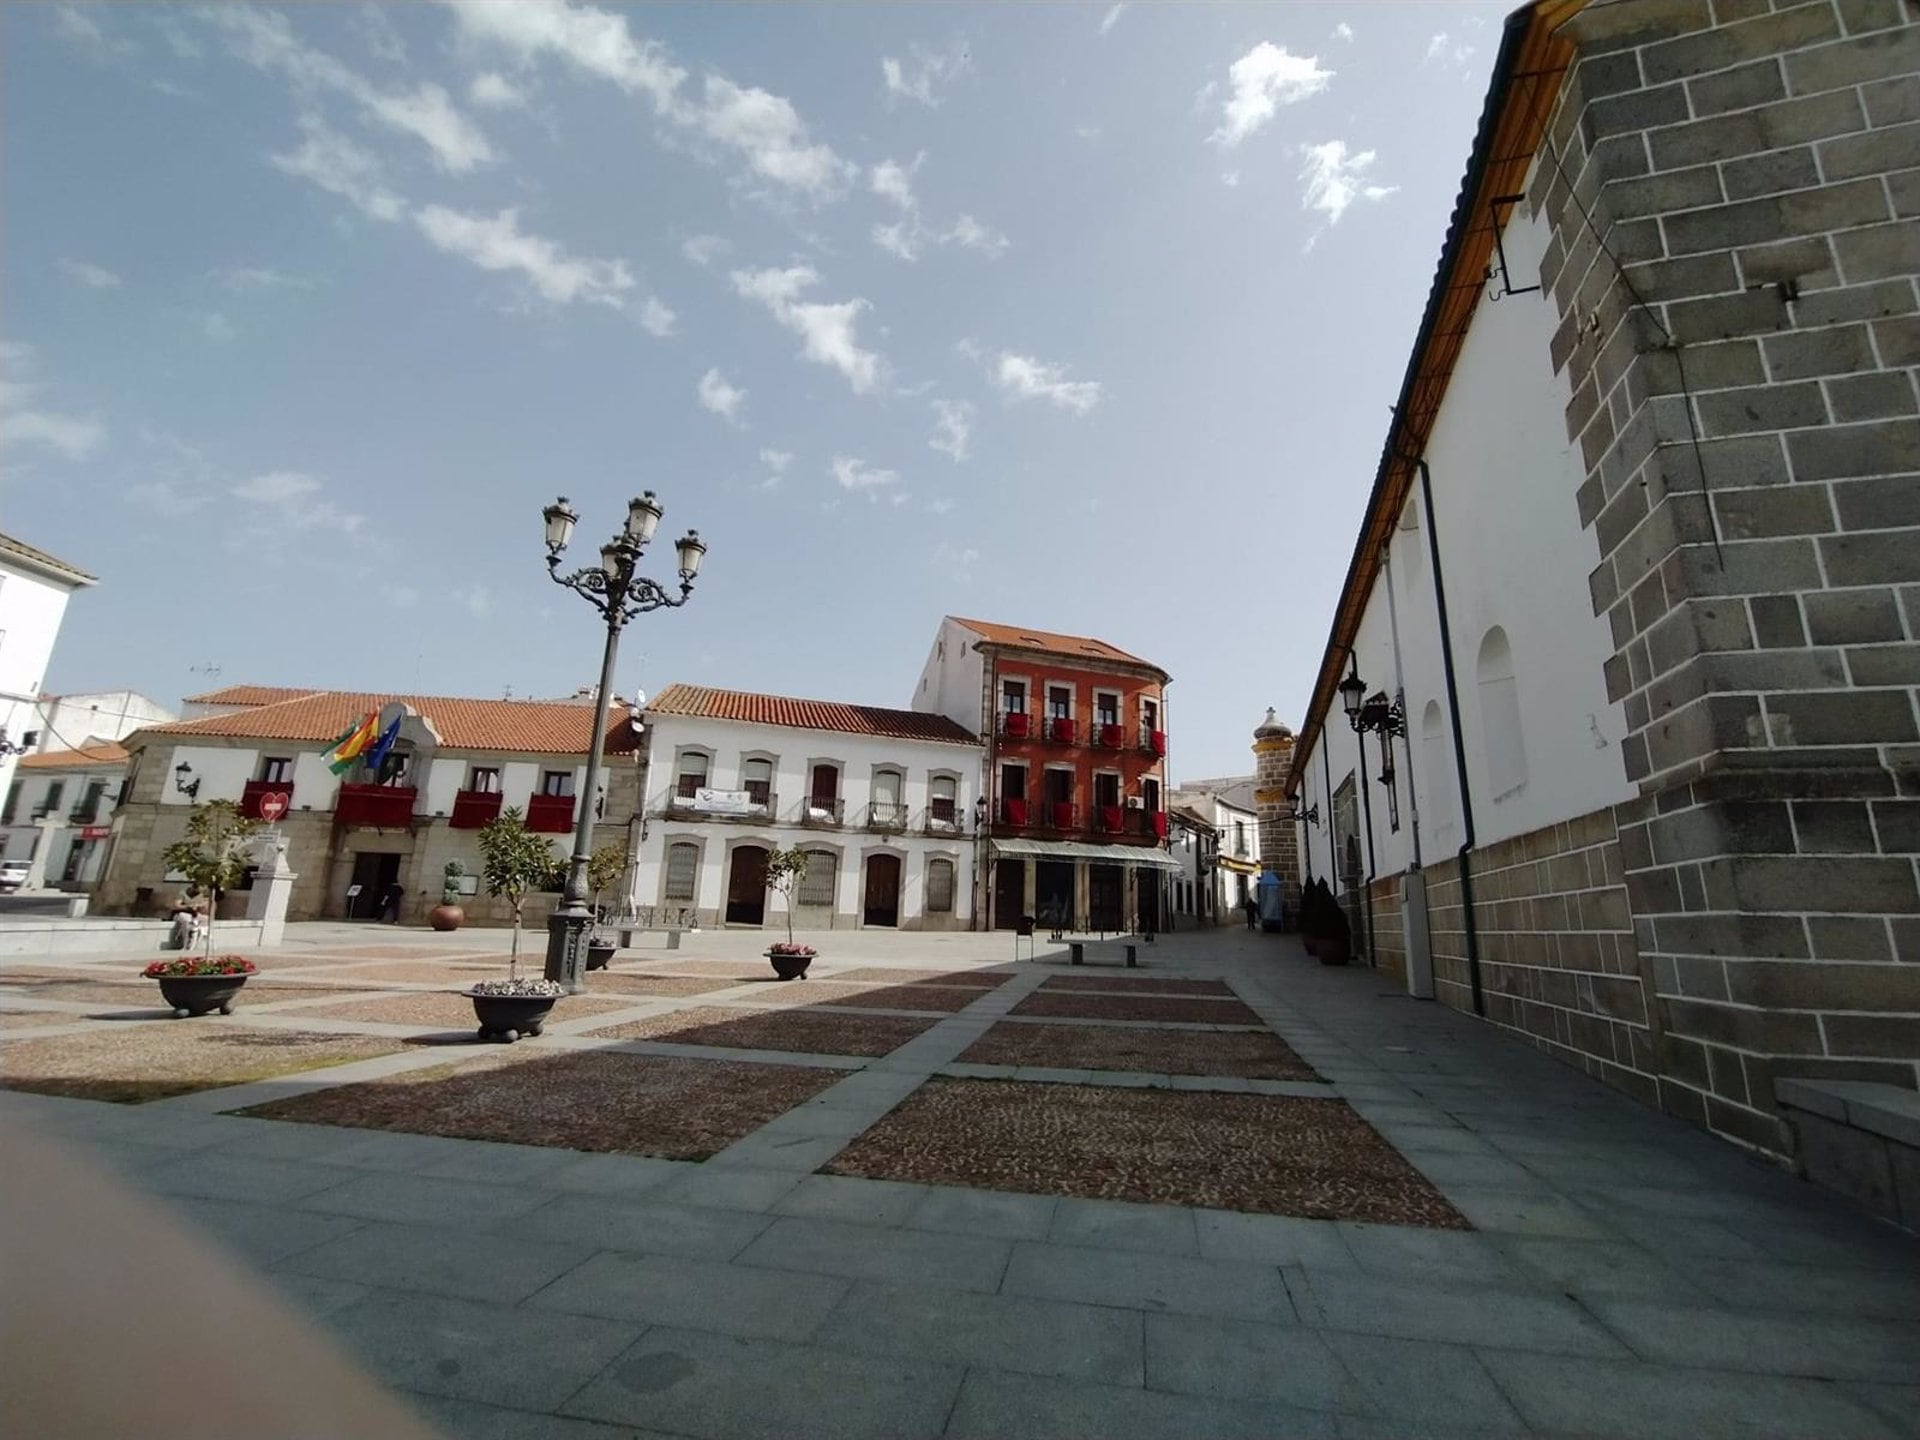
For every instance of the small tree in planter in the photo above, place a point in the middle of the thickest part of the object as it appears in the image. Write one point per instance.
(605, 869)
(785, 870)
(515, 861)
(215, 853)
(448, 914)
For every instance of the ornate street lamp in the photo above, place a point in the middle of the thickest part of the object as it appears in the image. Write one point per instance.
(619, 594)
(185, 782)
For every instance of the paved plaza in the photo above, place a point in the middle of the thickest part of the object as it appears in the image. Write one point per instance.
(893, 1214)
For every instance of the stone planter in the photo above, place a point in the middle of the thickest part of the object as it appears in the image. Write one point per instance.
(1312, 943)
(789, 967)
(1333, 950)
(510, 1016)
(600, 953)
(198, 994)
(446, 917)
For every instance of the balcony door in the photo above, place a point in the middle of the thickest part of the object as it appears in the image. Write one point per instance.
(747, 886)
(883, 890)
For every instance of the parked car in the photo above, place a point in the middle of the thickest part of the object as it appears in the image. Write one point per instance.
(13, 874)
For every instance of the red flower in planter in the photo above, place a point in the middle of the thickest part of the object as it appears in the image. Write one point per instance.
(218, 965)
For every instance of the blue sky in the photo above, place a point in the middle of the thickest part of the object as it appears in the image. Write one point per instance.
(1081, 317)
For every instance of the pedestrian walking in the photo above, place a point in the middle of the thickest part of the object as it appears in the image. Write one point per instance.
(1252, 909)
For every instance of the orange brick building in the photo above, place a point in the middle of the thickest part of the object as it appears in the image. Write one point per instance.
(1072, 821)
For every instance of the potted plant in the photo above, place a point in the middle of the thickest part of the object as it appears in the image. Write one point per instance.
(785, 870)
(515, 860)
(448, 915)
(204, 982)
(1336, 938)
(1310, 916)
(213, 855)
(605, 867)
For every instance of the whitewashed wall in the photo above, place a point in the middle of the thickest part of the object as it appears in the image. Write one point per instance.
(951, 684)
(31, 609)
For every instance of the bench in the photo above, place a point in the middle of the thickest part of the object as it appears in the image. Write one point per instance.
(673, 921)
(1077, 953)
(1859, 1137)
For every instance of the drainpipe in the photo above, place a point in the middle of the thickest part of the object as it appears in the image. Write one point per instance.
(1459, 745)
(1365, 782)
(1400, 698)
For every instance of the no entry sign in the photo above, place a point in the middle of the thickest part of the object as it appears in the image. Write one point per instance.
(273, 805)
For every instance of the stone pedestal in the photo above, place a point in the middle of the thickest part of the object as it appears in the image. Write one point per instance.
(272, 888)
(42, 850)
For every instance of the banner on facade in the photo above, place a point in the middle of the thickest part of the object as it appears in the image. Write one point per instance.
(725, 802)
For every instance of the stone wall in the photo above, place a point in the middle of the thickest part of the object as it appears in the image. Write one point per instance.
(1741, 354)
(1279, 836)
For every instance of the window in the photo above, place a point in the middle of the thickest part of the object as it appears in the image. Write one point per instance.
(1500, 728)
(1059, 702)
(939, 887)
(1150, 793)
(55, 791)
(756, 778)
(557, 783)
(484, 780)
(1013, 782)
(1240, 837)
(887, 808)
(683, 865)
(276, 770)
(943, 800)
(1013, 697)
(1106, 789)
(13, 803)
(1437, 763)
(1150, 714)
(1106, 707)
(395, 767)
(88, 810)
(823, 794)
(692, 775)
(817, 885)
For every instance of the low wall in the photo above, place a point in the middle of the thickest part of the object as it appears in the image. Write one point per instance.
(113, 937)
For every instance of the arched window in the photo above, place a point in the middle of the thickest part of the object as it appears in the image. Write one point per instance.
(942, 801)
(888, 788)
(1438, 783)
(1500, 730)
(683, 864)
(817, 885)
(691, 775)
(939, 887)
(756, 778)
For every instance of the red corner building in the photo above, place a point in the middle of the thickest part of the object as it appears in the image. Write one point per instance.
(1072, 816)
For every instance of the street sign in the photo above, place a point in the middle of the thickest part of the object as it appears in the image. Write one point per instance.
(95, 832)
(273, 805)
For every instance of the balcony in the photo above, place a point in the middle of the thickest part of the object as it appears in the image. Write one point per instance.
(755, 803)
(475, 809)
(550, 814)
(942, 817)
(823, 810)
(1060, 730)
(886, 815)
(385, 807)
(1058, 815)
(1109, 819)
(1153, 741)
(258, 790)
(1016, 725)
(1107, 735)
(1014, 813)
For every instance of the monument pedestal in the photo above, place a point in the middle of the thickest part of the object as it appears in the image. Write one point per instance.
(272, 889)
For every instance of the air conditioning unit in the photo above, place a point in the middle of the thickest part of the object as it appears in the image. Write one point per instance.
(1134, 802)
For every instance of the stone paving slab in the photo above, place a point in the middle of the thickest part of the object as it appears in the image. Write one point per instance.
(740, 1300)
(895, 1256)
(1148, 1282)
(994, 1405)
(436, 1260)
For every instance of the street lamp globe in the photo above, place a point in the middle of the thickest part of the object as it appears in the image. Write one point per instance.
(611, 555)
(560, 519)
(643, 518)
(691, 548)
(1353, 693)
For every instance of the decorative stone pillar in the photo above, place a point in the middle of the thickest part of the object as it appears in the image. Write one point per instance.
(1279, 836)
(272, 888)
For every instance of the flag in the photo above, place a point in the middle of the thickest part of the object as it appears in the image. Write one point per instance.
(349, 747)
(378, 754)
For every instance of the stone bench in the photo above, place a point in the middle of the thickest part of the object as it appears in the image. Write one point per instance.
(1860, 1138)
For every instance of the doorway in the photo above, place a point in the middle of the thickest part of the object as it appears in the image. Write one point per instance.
(1147, 901)
(883, 890)
(747, 886)
(1009, 893)
(1053, 900)
(372, 874)
(1106, 897)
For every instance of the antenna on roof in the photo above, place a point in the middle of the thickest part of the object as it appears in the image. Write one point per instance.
(507, 694)
(210, 670)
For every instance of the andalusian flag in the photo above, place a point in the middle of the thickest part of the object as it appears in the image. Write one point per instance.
(343, 752)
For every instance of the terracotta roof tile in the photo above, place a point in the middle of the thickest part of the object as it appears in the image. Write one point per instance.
(538, 727)
(253, 695)
(37, 559)
(1026, 638)
(709, 704)
(103, 753)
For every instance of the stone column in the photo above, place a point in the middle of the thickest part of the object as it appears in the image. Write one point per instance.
(1279, 836)
(272, 888)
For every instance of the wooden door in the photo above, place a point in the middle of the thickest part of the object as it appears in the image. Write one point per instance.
(883, 890)
(1009, 893)
(747, 886)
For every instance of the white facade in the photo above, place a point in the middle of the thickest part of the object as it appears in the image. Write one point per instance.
(894, 849)
(34, 589)
(1238, 830)
(1542, 740)
(953, 682)
(1192, 902)
(68, 722)
(78, 792)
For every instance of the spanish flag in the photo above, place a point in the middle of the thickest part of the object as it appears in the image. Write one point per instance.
(343, 752)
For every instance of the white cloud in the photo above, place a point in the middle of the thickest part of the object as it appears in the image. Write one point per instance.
(720, 397)
(902, 238)
(1332, 179)
(940, 507)
(337, 165)
(952, 428)
(957, 561)
(826, 331)
(84, 272)
(495, 242)
(1087, 132)
(858, 475)
(376, 31)
(764, 129)
(1442, 49)
(657, 318)
(476, 599)
(705, 249)
(264, 39)
(776, 460)
(924, 72)
(970, 234)
(165, 497)
(1022, 377)
(893, 181)
(70, 436)
(183, 45)
(292, 500)
(1230, 179)
(1343, 31)
(217, 328)
(1111, 18)
(76, 25)
(258, 277)
(1265, 78)
(493, 91)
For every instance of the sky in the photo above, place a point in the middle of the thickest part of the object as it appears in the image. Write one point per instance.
(1081, 317)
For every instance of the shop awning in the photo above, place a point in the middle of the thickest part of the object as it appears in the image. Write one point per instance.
(1141, 855)
(1238, 866)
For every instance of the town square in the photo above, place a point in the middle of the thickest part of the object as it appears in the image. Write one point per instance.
(888, 721)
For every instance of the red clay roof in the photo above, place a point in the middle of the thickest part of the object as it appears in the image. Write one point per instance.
(1025, 638)
(537, 727)
(104, 753)
(252, 695)
(709, 704)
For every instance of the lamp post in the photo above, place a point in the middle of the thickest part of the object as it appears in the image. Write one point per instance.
(619, 594)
